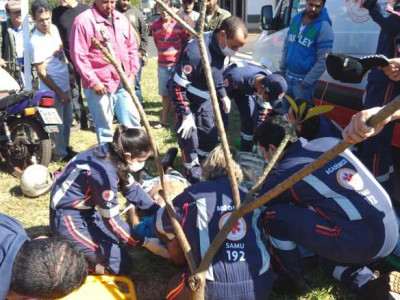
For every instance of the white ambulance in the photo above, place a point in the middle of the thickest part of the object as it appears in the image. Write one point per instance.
(356, 34)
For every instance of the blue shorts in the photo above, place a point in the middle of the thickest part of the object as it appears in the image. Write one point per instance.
(164, 73)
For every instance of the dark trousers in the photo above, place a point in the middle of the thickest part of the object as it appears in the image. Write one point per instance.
(77, 102)
(252, 115)
(138, 89)
(344, 246)
(203, 139)
(87, 230)
(376, 152)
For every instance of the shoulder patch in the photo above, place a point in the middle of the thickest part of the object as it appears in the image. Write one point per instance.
(238, 231)
(107, 195)
(349, 179)
(187, 69)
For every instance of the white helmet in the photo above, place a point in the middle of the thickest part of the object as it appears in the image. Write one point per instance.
(36, 180)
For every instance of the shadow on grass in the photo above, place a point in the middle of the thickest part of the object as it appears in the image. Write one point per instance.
(16, 191)
(36, 231)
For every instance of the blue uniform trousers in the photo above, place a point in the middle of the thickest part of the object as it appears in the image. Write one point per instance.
(87, 230)
(376, 152)
(252, 115)
(203, 139)
(344, 246)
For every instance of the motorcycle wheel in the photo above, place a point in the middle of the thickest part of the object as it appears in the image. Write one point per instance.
(31, 145)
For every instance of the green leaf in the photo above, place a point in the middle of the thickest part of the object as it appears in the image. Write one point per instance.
(292, 104)
(301, 110)
(318, 110)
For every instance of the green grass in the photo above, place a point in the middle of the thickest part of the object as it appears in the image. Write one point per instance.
(150, 273)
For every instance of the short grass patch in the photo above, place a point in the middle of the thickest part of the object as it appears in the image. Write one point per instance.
(150, 274)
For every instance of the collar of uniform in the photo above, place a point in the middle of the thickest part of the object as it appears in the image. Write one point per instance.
(100, 19)
(295, 147)
(214, 45)
(103, 150)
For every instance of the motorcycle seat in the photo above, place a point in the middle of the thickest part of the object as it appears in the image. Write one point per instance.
(14, 98)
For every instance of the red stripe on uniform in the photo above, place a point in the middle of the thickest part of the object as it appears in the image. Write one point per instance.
(185, 207)
(122, 233)
(179, 97)
(75, 237)
(177, 290)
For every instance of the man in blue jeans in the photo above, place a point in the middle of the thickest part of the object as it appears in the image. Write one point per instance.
(309, 39)
(101, 82)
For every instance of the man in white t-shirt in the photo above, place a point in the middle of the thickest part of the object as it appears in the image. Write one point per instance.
(188, 14)
(52, 68)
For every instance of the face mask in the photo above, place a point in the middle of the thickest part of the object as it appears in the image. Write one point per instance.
(228, 51)
(136, 166)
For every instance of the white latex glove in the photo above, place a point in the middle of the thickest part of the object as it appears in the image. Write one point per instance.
(187, 127)
(154, 245)
(227, 104)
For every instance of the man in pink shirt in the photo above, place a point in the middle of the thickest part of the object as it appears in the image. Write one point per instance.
(101, 82)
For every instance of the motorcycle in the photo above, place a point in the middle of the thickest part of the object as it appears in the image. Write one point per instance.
(26, 120)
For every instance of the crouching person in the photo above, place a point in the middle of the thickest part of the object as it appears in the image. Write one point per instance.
(241, 267)
(44, 268)
(84, 204)
(339, 212)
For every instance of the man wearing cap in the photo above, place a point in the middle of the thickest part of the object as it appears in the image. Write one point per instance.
(214, 16)
(188, 14)
(376, 152)
(256, 91)
(12, 41)
(309, 39)
(193, 112)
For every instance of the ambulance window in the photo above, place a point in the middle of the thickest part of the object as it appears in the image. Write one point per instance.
(288, 9)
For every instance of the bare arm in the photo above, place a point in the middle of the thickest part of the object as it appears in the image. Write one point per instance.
(41, 70)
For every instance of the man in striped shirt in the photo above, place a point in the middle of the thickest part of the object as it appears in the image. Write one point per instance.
(170, 38)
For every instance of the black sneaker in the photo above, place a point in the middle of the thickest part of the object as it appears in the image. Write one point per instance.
(384, 287)
(168, 160)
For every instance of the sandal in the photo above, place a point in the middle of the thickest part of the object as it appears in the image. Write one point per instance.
(160, 126)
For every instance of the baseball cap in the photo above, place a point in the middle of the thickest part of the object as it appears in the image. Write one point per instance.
(352, 69)
(13, 5)
(275, 87)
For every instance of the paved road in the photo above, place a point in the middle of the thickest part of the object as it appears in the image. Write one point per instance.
(245, 52)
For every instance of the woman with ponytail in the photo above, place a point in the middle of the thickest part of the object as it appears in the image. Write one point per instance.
(84, 207)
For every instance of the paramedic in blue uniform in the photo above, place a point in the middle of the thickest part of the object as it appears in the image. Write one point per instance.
(241, 268)
(255, 91)
(376, 152)
(339, 212)
(193, 113)
(84, 205)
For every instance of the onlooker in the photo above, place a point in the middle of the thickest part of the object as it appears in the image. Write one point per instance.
(170, 39)
(47, 268)
(214, 16)
(51, 65)
(101, 82)
(12, 43)
(376, 152)
(309, 39)
(135, 18)
(194, 116)
(340, 206)
(241, 268)
(188, 14)
(63, 17)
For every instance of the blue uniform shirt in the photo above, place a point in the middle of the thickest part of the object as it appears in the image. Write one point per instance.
(89, 181)
(239, 77)
(188, 84)
(343, 187)
(203, 208)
